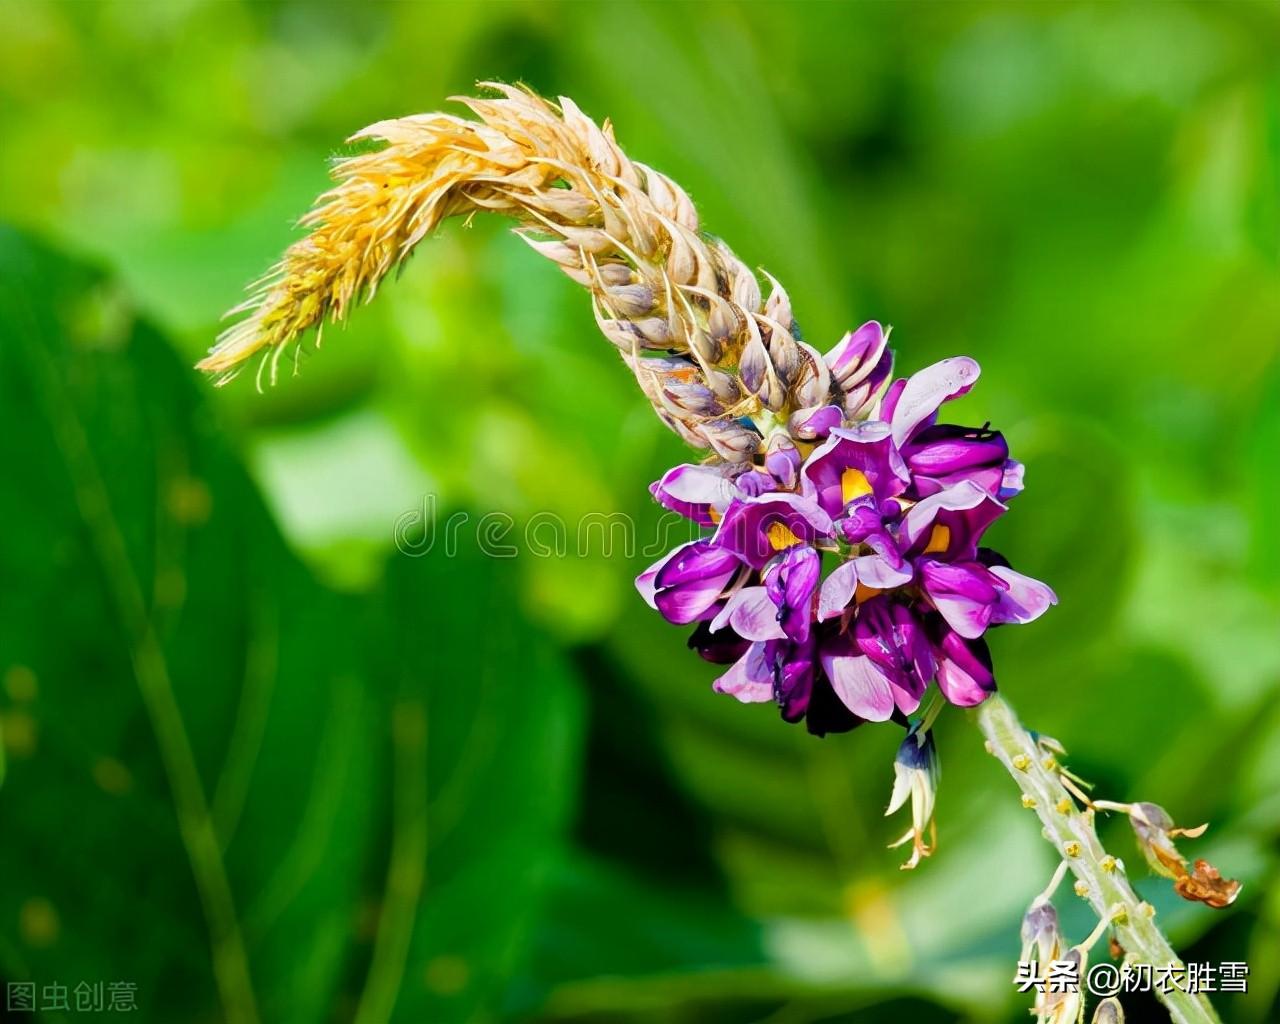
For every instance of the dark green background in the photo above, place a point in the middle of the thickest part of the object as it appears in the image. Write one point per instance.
(462, 788)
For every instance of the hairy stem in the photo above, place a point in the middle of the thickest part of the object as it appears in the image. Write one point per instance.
(1072, 833)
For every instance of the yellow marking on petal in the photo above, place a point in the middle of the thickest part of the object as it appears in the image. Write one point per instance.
(853, 484)
(781, 538)
(939, 539)
(713, 515)
(864, 593)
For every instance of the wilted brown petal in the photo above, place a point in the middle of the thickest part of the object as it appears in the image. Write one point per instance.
(1206, 885)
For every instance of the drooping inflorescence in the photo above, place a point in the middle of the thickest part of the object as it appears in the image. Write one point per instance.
(818, 465)
(688, 317)
(841, 571)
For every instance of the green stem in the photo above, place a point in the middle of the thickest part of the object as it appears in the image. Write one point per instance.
(1072, 833)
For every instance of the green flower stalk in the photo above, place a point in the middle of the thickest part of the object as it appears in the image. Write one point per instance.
(842, 578)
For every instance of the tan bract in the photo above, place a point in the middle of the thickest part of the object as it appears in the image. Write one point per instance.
(686, 315)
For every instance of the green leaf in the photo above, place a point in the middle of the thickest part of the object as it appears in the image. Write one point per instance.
(254, 797)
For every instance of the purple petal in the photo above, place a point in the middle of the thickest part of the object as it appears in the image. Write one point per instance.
(964, 670)
(690, 602)
(693, 562)
(862, 686)
(793, 671)
(749, 680)
(889, 634)
(875, 571)
(1024, 600)
(1011, 480)
(965, 510)
(889, 403)
(963, 593)
(815, 422)
(856, 354)
(865, 400)
(645, 582)
(927, 390)
(691, 580)
(747, 526)
(944, 455)
(944, 449)
(790, 580)
(837, 591)
(751, 614)
(849, 462)
(754, 483)
(783, 462)
(693, 491)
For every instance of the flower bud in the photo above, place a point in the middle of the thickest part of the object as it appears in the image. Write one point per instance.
(812, 380)
(692, 580)
(1041, 934)
(1109, 1011)
(691, 399)
(730, 439)
(861, 400)
(816, 422)
(916, 775)
(942, 455)
(856, 355)
(783, 460)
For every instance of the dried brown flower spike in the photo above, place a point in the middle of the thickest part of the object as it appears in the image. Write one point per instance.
(686, 314)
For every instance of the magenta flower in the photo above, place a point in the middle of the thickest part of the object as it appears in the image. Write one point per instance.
(893, 506)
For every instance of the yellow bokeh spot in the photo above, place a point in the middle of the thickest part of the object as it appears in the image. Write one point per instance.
(188, 500)
(781, 538)
(20, 684)
(713, 515)
(111, 776)
(939, 540)
(447, 975)
(20, 733)
(853, 484)
(38, 923)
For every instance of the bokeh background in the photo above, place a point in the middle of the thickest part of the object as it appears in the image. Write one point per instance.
(262, 765)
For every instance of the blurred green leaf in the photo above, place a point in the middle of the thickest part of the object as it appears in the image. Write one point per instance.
(291, 796)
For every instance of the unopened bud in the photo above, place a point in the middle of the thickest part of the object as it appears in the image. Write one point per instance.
(730, 439)
(1109, 1011)
(855, 355)
(915, 776)
(782, 459)
(815, 422)
(691, 399)
(630, 300)
(614, 275)
(1041, 933)
(812, 381)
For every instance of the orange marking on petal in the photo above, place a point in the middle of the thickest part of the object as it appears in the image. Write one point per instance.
(781, 538)
(939, 539)
(853, 484)
(863, 593)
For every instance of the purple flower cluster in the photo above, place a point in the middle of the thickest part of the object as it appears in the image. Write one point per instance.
(899, 502)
